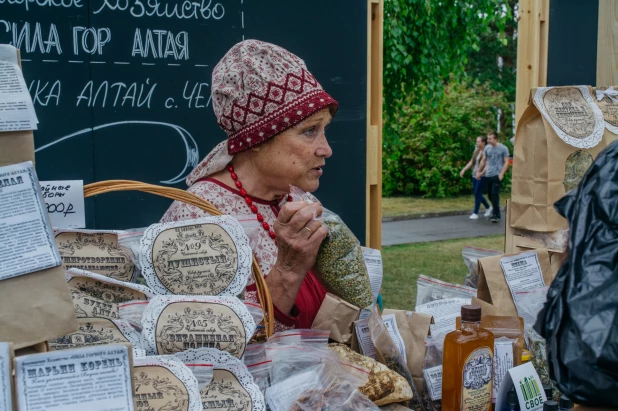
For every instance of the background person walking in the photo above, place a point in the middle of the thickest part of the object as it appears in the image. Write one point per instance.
(477, 184)
(493, 165)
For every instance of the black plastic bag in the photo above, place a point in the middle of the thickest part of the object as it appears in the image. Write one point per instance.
(580, 318)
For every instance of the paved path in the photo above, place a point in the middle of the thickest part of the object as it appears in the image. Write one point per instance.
(438, 228)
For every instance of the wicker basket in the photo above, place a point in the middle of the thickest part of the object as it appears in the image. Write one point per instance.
(189, 198)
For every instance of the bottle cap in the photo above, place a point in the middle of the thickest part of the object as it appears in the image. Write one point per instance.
(550, 406)
(525, 356)
(511, 398)
(470, 313)
(548, 391)
(566, 403)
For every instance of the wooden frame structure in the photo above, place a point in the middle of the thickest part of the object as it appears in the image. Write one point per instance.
(375, 35)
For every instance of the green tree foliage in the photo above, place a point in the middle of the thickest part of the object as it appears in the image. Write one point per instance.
(442, 88)
(436, 142)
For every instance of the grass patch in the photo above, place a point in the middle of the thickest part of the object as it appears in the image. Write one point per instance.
(440, 259)
(414, 206)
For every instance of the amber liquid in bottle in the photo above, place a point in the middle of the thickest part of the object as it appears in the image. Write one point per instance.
(467, 365)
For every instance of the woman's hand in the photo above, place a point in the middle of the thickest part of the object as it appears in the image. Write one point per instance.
(462, 172)
(299, 237)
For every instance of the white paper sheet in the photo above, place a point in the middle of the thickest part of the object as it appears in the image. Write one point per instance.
(65, 203)
(522, 272)
(373, 262)
(503, 362)
(364, 339)
(94, 379)
(433, 380)
(16, 108)
(26, 240)
(444, 312)
(5, 378)
(8, 54)
(391, 325)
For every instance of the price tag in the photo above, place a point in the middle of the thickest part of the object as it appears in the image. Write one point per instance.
(527, 385)
(65, 203)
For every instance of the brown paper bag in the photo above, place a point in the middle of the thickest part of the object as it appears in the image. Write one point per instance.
(336, 316)
(493, 288)
(558, 137)
(34, 307)
(414, 328)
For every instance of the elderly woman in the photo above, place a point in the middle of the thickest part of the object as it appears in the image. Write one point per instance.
(275, 114)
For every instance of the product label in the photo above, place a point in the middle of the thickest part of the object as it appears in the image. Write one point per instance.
(196, 259)
(157, 388)
(391, 325)
(433, 380)
(185, 325)
(93, 379)
(444, 312)
(225, 393)
(609, 108)
(92, 331)
(373, 262)
(477, 381)
(284, 395)
(503, 362)
(105, 291)
(570, 111)
(5, 377)
(89, 306)
(96, 252)
(522, 272)
(364, 339)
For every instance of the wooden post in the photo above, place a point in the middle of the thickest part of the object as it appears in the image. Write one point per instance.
(532, 40)
(375, 30)
(607, 44)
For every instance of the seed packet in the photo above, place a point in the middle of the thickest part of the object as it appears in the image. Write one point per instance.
(164, 383)
(96, 251)
(173, 324)
(96, 331)
(232, 386)
(105, 288)
(207, 256)
(340, 260)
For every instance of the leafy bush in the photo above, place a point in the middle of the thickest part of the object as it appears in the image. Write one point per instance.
(434, 143)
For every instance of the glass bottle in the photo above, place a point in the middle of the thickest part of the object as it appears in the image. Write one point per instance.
(467, 365)
(550, 406)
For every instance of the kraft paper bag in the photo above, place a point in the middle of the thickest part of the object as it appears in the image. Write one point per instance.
(557, 139)
(414, 328)
(493, 288)
(336, 316)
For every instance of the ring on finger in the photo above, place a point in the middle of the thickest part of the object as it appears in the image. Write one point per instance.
(308, 229)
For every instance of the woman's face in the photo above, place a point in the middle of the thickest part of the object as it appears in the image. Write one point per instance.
(296, 156)
(480, 143)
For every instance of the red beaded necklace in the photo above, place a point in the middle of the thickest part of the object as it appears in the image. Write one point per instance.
(253, 207)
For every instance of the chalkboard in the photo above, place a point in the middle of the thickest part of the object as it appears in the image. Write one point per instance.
(122, 89)
(572, 42)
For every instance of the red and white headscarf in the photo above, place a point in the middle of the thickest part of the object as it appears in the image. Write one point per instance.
(258, 91)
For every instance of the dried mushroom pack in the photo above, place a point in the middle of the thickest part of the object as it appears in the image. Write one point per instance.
(164, 383)
(97, 331)
(105, 288)
(96, 251)
(207, 256)
(232, 386)
(175, 323)
(576, 165)
(340, 260)
(384, 386)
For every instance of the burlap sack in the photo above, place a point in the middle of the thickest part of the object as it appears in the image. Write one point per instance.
(493, 288)
(558, 137)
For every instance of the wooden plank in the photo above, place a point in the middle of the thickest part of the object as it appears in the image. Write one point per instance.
(375, 29)
(607, 44)
(532, 29)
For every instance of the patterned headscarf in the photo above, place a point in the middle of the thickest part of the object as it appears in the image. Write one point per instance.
(258, 91)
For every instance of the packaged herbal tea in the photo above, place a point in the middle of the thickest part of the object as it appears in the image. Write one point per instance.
(105, 288)
(207, 256)
(232, 386)
(97, 331)
(173, 324)
(164, 383)
(97, 252)
(558, 136)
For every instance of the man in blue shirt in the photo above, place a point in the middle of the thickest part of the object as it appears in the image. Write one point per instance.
(493, 165)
